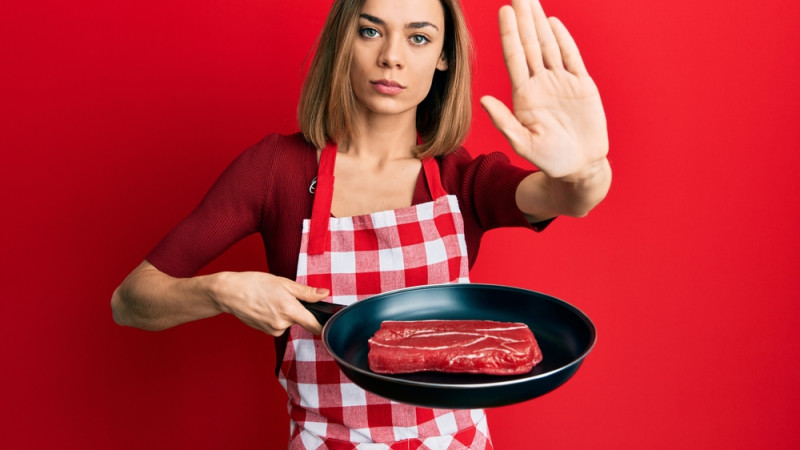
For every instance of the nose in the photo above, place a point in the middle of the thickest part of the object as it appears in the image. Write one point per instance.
(391, 55)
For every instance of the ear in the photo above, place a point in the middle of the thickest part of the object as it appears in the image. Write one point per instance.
(442, 64)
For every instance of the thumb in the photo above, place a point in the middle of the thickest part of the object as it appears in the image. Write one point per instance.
(307, 293)
(502, 118)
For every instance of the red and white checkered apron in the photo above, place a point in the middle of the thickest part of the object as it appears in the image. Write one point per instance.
(356, 257)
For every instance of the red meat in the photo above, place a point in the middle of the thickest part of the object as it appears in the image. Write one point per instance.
(467, 346)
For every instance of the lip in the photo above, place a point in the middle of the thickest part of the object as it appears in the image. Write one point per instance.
(387, 87)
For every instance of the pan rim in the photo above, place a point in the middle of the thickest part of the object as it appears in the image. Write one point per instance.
(506, 379)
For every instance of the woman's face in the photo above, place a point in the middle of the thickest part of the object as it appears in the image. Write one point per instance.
(395, 54)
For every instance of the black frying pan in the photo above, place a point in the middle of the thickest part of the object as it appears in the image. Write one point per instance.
(564, 334)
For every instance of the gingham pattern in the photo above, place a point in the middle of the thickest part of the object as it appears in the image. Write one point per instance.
(473, 437)
(367, 255)
(375, 253)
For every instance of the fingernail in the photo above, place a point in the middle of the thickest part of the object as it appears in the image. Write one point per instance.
(322, 291)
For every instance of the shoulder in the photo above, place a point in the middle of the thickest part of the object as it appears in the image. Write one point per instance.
(292, 157)
(274, 166)
(457, 156)
(461, 157)
(460, 166)
(275, 155)
(452, 164)
(289, 167)
(272, 148)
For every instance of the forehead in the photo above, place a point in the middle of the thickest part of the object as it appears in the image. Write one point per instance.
(405, 11)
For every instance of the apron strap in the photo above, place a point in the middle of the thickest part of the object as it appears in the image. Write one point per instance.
(431, 169)
(318, 236)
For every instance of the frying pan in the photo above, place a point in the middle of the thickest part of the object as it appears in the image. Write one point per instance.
(565, 336)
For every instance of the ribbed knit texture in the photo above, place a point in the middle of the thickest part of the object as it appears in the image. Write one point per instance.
(266, 190)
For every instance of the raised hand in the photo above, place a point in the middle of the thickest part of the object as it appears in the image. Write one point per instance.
(558, 122)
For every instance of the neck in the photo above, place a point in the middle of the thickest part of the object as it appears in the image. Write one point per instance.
(383, 137)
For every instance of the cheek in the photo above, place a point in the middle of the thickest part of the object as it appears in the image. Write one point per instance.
(429, 63)
(356, 76)
(357, 68)
(425, 76)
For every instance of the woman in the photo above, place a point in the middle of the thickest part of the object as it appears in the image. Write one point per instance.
(383, 111)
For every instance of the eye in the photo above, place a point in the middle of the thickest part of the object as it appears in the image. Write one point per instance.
(419, 39)
(369, 33)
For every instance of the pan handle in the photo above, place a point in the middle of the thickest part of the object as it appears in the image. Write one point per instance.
(322, 310)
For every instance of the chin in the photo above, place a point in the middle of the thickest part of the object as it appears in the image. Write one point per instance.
(389, 106)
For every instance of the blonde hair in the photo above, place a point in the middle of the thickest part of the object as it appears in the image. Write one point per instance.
(327, 102)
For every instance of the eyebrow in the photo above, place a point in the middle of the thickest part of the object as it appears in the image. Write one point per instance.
(412, 25)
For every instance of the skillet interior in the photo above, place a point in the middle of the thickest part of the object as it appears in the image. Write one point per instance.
(564, 334)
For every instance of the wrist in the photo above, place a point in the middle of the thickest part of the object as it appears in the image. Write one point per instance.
(212, 287)
(577, 194)
(590, 172)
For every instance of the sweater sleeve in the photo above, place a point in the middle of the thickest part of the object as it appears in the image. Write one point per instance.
(231, 210)
(486, 186)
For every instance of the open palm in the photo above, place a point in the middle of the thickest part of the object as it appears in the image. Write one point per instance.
(558, 123)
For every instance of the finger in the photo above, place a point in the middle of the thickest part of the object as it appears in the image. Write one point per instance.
(527, 35)
(268, 329)
(293, 312)
(304, 292)
(503, 119)
(305, 319)
(271, 329)
(547, 40)
(569, 49)
(513, 52)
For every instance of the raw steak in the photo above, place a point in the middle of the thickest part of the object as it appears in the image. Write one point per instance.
(468, 346)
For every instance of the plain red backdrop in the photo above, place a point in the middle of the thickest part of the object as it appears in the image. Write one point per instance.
(117, 116)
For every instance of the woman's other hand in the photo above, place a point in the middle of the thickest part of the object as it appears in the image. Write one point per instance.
(558, 122)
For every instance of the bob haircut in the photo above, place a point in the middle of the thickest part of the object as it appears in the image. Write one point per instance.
(327, 102)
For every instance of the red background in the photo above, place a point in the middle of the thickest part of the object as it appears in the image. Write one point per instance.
(117, 116)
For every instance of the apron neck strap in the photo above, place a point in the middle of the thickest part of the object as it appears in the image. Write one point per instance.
(431, 169)
(318, 236)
